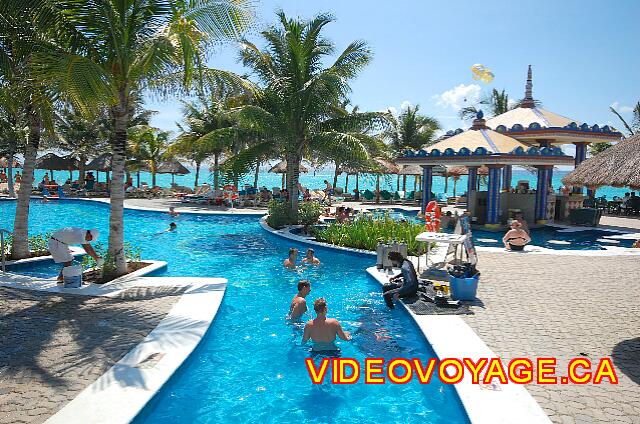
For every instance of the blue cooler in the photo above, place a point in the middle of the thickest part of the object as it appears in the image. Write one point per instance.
(72, 276)
(463, 288)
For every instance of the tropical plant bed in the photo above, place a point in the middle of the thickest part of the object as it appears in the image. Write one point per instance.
(94, 275)
(366, 233)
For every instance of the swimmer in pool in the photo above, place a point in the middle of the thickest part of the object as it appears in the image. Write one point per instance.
(290, 262)
(310, 258)
(172, 212)
(172, 227)
(322, 330)
(299, 304)
(516, 238)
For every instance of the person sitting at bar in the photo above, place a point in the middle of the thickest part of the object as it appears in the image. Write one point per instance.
(516, 238)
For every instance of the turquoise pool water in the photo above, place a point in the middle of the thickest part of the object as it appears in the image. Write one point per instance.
(250, 365)
(548, 237)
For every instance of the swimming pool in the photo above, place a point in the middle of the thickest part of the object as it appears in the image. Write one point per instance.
(250, 365)
(548, 237)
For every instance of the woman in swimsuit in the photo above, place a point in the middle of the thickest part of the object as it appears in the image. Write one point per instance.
(516, 238)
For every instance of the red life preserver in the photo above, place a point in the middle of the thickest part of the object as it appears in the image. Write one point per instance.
(432, 216)
(230, 192)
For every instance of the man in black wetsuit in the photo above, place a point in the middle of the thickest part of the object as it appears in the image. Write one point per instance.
(404, 284)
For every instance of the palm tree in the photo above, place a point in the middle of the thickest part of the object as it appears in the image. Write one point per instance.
(114, 50)
(293, 109)
(82, 136)
(208, 130)
(410, 130)
(19, 42)
(634, 127)
(497, 103)
(149, 146)
(12, 132)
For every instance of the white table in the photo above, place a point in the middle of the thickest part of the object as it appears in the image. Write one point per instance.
(431, 237)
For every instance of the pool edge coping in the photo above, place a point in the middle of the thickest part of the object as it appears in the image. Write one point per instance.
(122, 392)
(437, 329)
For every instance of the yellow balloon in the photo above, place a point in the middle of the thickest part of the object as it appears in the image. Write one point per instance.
(481, 73)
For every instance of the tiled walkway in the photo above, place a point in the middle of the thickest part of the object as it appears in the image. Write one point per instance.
(565, 306)
(52, 346)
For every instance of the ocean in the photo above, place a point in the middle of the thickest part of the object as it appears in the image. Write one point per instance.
(314, 179)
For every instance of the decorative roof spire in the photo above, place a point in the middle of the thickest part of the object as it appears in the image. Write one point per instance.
(479, 123)
(528, 92)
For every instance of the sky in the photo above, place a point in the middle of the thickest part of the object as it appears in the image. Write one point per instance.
(585, 54)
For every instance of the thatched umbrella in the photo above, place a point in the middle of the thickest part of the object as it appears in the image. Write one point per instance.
(457, 171)
(172, 167)
(53, 162)
(281, 168)
(616, 166)
(101, 163)
(416, 170)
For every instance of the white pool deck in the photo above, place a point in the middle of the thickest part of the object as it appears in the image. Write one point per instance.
(119, 395)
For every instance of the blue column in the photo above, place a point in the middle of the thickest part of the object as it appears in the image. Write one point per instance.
(493, 197)
(581, 155)
(541, 194)
(506, 177)
(427, 175)
(472, 183)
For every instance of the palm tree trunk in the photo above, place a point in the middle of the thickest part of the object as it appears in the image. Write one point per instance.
(116, 217)
(20, 246)
(255, 178)
(404, 183)
(398, 183)
(293, 173)
(12, 192)
(216, 159)
(138, 178)
(346, 184)
(198, 163)
(81, 170)
(358, 184)
(153, 178)
(378, 189)
(336, 174)
(446, 184)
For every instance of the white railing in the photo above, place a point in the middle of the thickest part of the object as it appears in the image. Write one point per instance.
(2, 248)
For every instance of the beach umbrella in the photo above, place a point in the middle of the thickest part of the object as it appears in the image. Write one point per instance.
(101, 163)
(53, 162)
(616, 166)
(281, 168)
(172, 167)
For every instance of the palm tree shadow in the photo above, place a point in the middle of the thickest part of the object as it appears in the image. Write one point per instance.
(69, 340)
(626, 356)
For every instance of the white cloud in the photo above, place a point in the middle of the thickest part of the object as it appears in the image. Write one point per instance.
(405, 105)
(621, 109)
(459, 96)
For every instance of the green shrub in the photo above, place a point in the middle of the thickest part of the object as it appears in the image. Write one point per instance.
(308, 214)
(365, 233)
(38, 244)
(278, 214)
(131, 254)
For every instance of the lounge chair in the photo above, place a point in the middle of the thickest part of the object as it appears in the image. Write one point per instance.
(399, 196)
(367, 196)
(409, 198)
(385, 197)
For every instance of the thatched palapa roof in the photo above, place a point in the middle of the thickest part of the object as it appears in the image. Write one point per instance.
(438, 170)
(53, 162)
(101, 163)
(618, 166)
(172, 167)
(281, 168)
